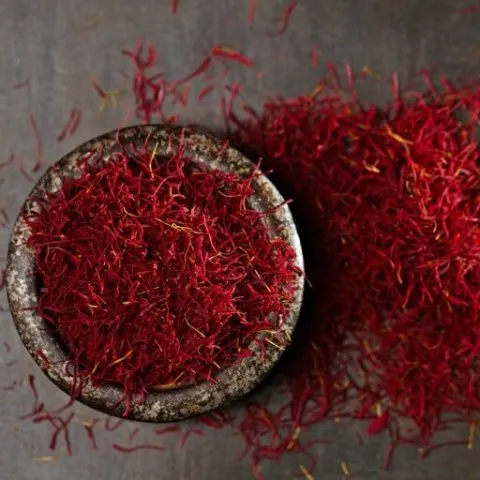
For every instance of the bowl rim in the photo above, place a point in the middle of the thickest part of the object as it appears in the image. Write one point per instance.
(232, 382)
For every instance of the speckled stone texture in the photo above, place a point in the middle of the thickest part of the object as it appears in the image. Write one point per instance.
(233, 382)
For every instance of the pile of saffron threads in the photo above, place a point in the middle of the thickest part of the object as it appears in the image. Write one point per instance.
(388, 202)
(156, 273)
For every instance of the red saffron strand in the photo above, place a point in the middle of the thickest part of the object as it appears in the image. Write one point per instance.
(23, 84)
(202, 68)
(379, 423)
(215, 420)
(231, 54)
(37, 406)
(314, 57)
(251, 11)
(89, 426)
(425, 452)
(66, 435)
(133, 434)
(190, 431)
(10, 160)
(286, 16)
(10, 387)
(39, 144)
(136, 448)
(71, 125)
(469, 9)
(204, 92)
(3, 218)
(164, 430)
(21, 168)
(115, 426)
(99, 90)
(61, 426)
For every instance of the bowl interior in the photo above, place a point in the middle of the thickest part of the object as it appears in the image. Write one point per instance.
(48, 350)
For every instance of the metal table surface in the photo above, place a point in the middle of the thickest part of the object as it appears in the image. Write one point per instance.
(60, 45)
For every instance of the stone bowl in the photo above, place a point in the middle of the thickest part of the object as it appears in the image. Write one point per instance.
(160, 406)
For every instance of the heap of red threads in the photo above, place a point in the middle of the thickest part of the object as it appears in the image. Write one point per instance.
(388, 203)
(155, 272)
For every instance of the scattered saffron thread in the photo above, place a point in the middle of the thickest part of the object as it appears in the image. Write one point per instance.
(186, 435)
(314, 57)
(251, 11)
(164, 430)
(136, 448)
(23, 84)
(469, 9)
(38, 142)
(286, 16)
(71, 125)
(89, 425)
(133, 434)
(111, 428)
(231, 54)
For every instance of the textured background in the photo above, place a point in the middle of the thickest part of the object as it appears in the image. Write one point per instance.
(61, 44)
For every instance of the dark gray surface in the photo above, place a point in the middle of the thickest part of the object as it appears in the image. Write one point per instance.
(61, 44)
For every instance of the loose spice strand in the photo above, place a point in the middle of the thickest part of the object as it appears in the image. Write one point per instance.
(202, 68)
(38, 142)
(136, 448)
(71, 125)
(469, 9)
(21, 85)
(89, 425)
(172, 429)
(286, 16)
(186, 435)
(251, 11)
(231, 54)
(115, 426)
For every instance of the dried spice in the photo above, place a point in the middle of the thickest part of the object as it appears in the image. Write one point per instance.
(142, 238)
(187, 434)
(136, 448)
(387, 202)
(231, 54)
(469, 9)
(39, 144)
(89, 425)
(71, 125)
(286, 15)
